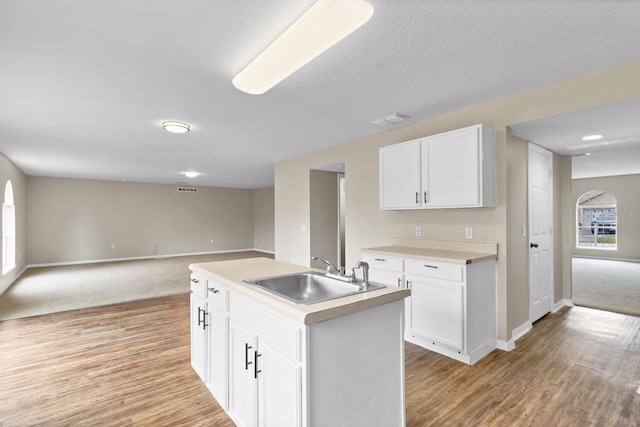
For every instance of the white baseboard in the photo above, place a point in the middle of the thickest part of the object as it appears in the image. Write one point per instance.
(562, 303)
(16, 277)
(56, 264)
(517, 333)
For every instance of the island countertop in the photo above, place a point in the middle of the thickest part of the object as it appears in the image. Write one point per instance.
(232, 273)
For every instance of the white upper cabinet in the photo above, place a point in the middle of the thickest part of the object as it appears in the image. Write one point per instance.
(400, 176)
(456, 169)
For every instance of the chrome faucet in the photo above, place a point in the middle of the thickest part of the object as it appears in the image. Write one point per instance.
(365, 272)
(330, 268)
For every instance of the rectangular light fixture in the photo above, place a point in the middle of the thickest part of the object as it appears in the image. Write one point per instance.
(323, 25)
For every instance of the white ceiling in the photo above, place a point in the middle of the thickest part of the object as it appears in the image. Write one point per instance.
(617, 153)
(84, 85)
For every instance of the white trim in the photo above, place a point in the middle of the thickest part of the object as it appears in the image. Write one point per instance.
(516, 334)
(55, 264)
(602, 258)
(562, 303)
(10, 282)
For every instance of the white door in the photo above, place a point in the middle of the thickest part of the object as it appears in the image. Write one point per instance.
(243, 389)
(437, 310)
(540, 196)
(280, 389)
(400, 176)
(451, 169)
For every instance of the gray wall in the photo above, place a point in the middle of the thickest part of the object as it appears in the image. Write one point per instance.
(263, 219)
(626, 190)
(8, 171)
(71, 220)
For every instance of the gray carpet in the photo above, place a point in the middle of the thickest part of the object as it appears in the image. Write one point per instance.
(45, 290)
(607, 285)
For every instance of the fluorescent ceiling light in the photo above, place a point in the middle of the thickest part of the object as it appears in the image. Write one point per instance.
(176, 127)
(591, 137)
(322, 26)
(191, 174)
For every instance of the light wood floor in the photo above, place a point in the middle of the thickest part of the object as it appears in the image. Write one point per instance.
(128, 365)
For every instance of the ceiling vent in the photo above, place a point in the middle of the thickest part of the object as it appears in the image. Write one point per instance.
(389, 119)
(187, 190)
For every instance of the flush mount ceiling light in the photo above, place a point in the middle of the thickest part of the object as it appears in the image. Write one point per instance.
(591, 137)
(190, 174)
(176, 127)
(322, 26)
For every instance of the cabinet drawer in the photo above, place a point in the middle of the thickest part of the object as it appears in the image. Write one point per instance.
(383, 262)
(435, 269)
(199, 286)
(279, 334)
(218, 296)
(386, 278)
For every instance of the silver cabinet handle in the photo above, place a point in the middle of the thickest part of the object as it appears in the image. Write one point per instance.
(417, 197)
(431, 266)
(426, 197)
(380, 259)
(214, 290)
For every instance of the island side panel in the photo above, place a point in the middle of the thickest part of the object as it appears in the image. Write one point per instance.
(356, 369)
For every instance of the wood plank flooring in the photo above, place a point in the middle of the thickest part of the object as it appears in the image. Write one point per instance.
(128, 365)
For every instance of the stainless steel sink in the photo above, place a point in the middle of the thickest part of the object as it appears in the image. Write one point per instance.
(310, 287)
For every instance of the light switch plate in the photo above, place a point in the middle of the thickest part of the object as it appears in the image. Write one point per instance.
(418, 231)
(469, 233)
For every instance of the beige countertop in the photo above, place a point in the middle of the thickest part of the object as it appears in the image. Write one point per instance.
(454, 256)
(232, 273)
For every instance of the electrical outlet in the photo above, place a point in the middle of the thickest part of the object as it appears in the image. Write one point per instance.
(211, 241)
(303, 227)
(418, 231)
(469, 233)
(113, 246)
(524, 231)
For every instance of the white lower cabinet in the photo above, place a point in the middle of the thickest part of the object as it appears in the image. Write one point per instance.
(264, 385)
(437, 311)
(199, 336)
(452, 308)
(267, 370)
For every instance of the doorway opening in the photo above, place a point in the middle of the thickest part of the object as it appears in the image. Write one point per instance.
(327, 215)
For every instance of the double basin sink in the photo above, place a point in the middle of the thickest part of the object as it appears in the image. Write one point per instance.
(310, 287)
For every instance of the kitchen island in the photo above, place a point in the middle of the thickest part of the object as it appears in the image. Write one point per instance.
(269, 361)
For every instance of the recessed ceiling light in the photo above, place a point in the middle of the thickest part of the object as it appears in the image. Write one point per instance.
(191, 174)
(591, 137)
(176, 127)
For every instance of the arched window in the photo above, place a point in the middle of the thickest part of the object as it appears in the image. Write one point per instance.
(8, 230)
(597, 221)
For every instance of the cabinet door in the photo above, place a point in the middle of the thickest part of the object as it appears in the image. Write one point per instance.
(400, 176)
(199, 323)
(218, 362)
(451, 169)
(243, 392)
(280, 389)
(437, 310)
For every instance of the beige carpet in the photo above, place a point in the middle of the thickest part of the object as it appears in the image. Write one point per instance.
(44, 290)
(607, 285)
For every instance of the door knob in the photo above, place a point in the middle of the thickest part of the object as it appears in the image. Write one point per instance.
(534, 245)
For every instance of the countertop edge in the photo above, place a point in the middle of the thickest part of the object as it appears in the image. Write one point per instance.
(450, 256)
